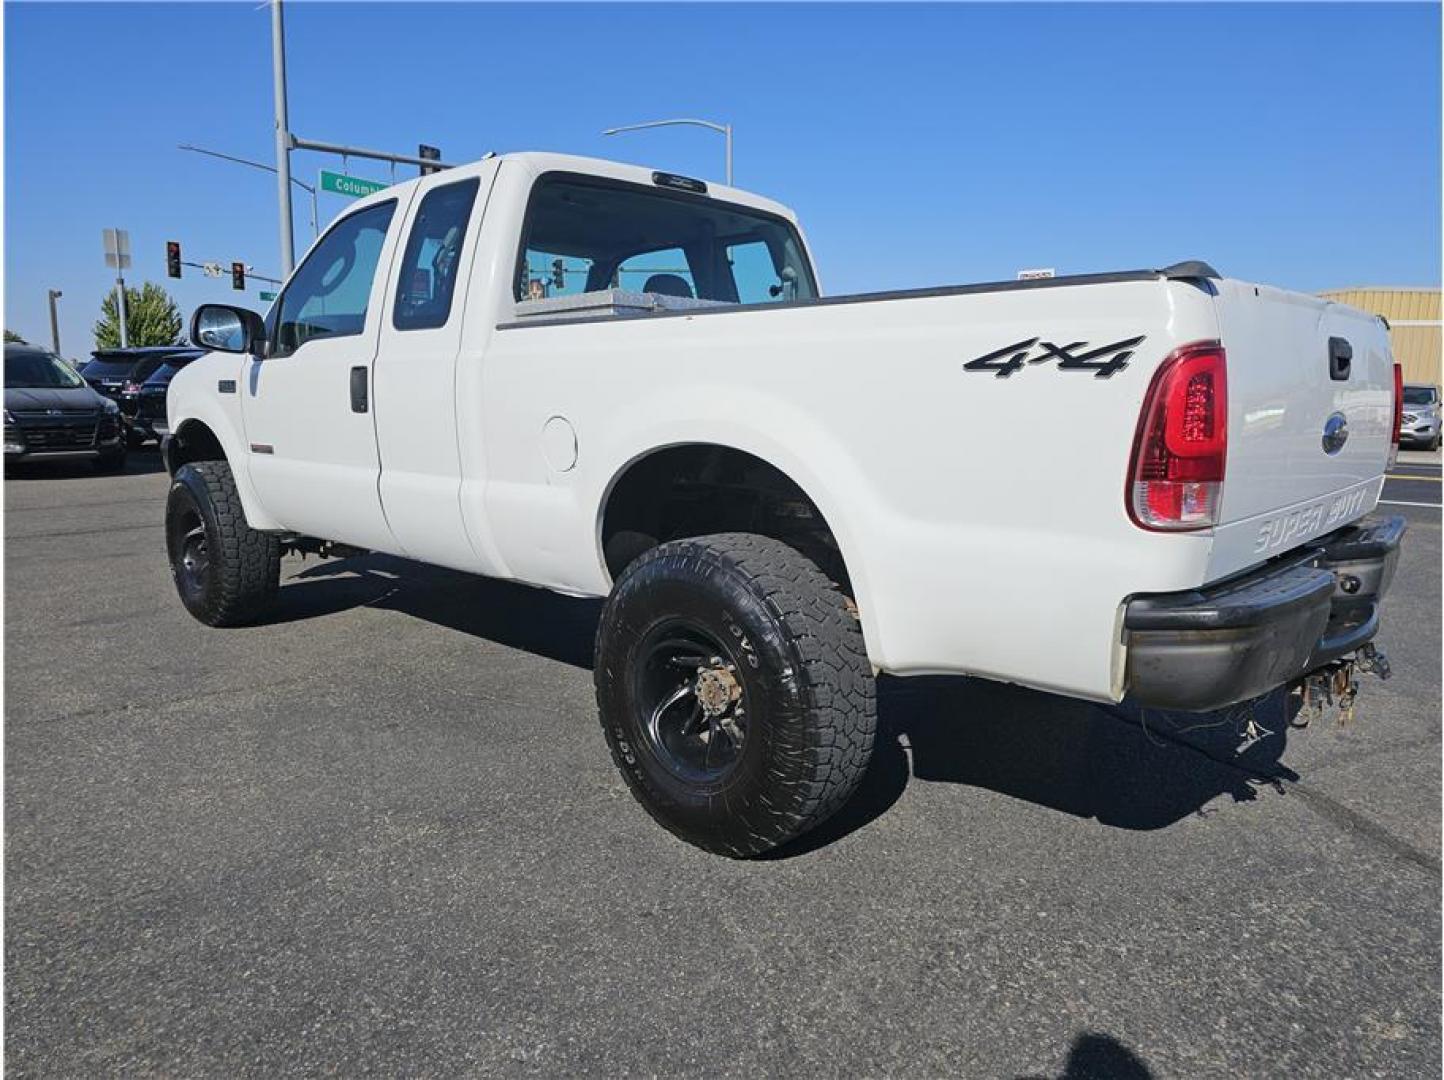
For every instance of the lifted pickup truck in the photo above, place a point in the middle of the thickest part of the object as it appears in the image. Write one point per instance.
(610, 381)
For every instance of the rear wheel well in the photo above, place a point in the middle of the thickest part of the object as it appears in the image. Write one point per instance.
(698, 490)
(193, 441)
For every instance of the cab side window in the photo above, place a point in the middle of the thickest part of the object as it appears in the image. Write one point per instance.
(433, 255)
(329, 294)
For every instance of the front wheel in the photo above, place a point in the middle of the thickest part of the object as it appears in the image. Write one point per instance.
(735, 691)
(225, 571)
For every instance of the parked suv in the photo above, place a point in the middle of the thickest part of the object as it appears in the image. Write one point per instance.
(1421, 423)
(143, 401)
(119, 374)
(51, 414)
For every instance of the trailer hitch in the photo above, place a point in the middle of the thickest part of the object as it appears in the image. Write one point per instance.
(1335, 686)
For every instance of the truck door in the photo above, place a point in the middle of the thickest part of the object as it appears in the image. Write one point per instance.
(306, 404)
(416, 402)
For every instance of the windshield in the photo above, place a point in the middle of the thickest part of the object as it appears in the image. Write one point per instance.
(585, 235)
(1419, 395)
(36, 370)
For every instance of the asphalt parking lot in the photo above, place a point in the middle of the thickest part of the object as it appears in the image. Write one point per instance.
(381, 834)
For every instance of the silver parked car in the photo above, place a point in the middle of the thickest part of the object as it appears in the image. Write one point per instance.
(1422, 421)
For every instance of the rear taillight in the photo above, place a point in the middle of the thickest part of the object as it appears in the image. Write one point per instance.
(1176, 477)
(1398, 413)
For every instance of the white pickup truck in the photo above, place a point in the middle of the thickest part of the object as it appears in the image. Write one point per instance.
(609, 381)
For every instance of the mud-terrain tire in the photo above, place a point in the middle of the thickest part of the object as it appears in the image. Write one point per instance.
(226, 572)
(779, 679)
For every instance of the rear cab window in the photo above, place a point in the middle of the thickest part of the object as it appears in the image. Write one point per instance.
(586, 234)
(431, 263)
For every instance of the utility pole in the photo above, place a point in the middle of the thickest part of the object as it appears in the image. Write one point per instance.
(283, 137)
(54, 322)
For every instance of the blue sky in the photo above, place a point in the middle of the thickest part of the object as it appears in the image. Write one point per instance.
(1294, 144)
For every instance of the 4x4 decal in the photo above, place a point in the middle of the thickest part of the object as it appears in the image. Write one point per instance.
(1017, 354)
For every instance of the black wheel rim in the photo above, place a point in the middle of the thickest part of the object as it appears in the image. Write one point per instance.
(191, 556)
(692, 702)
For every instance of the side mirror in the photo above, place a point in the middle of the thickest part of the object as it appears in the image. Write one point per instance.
(227, 329)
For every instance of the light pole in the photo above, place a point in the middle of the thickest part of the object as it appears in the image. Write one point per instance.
(283, 137)
(723, 129)
(54, 322)
(315, 226)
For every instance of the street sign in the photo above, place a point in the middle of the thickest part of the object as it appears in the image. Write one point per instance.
(267, 295)
(212, 269)
(117, 248)
(354, 186)
(1033, 275)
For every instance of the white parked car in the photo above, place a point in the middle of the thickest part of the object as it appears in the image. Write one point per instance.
(610, 381)
(1421, 424)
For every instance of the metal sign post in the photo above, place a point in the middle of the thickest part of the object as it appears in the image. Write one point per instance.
(55, 295)
(117, 257)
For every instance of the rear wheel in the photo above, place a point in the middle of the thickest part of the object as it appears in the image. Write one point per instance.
(735, 692)
(225, 571)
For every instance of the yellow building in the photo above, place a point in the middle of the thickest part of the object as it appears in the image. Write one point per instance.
(1413, 317)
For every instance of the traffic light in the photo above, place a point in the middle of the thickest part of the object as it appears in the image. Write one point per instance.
(559, 275)
(172, 258)
(238, 276)
(430, 153)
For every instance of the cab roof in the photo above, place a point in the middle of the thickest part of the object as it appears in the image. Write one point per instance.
(538, 162)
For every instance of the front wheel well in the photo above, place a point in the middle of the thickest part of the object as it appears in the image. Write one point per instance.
(701, 489)
(193, 441)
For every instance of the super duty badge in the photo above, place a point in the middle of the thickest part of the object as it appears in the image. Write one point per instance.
(1104, 361)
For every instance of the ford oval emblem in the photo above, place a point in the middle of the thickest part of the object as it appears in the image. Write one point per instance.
(1336, 433)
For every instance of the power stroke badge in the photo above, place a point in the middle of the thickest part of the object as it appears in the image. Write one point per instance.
(1104, 361)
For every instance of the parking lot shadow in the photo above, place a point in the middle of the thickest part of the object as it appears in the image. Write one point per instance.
(137, 463)
(1126, 767)
(1098, 1056)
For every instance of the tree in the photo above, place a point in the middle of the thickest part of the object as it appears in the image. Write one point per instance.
(151, 318)
(12, 336)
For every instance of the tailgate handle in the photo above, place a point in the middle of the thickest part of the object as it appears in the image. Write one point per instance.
(1341, 357)
(358, 389)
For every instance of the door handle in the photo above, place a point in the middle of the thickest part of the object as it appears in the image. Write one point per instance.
(1341, 356)
(358, 389)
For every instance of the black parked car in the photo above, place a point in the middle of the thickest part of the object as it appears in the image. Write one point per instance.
(145, 403)
(50, 413)
(120, 373)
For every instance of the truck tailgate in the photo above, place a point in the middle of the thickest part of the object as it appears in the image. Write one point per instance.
(1287, 383)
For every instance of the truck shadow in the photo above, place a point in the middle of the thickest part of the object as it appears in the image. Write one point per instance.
(1126, 767)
